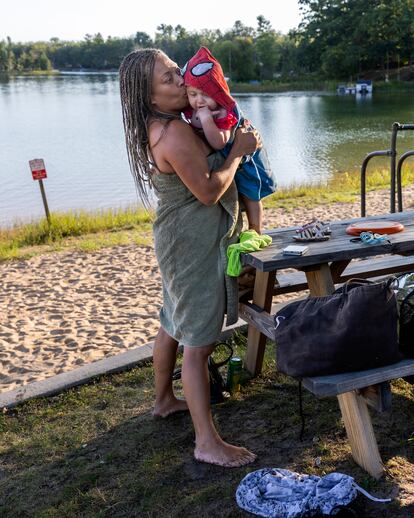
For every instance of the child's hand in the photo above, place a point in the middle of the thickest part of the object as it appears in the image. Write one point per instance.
(205, 113)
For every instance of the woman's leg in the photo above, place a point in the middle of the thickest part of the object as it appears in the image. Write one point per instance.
(210, 447)
(164, 357)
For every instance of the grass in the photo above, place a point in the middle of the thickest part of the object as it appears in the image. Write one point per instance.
(76, 230)
(38, 73)
(393, 85)
(285, 85)
(316, 85)
(95, 451)
(343, 187)
(90, 231)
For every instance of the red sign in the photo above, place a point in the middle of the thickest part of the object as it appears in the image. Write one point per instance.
(38, 169)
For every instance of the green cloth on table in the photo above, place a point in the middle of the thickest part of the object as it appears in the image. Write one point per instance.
(250, 241)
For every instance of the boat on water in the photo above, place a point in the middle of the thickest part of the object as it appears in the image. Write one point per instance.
(361, 87)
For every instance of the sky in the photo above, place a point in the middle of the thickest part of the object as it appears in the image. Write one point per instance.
(35, 20)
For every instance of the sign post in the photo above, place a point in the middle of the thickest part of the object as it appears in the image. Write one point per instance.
(38, 169)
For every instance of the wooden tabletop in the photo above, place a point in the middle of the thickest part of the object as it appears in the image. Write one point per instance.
(338, 248)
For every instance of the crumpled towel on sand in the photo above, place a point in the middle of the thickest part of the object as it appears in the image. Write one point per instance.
(249, 241)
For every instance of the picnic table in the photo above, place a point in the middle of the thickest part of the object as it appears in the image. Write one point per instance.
(325, 264)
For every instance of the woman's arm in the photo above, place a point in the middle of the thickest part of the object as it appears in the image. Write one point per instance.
(183, 150)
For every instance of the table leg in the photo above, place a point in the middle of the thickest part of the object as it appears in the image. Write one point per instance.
(320, 281)
(256, 341)
(337, 268)
(353, 407)
(360, 433)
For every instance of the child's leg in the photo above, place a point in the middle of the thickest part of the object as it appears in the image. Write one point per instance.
(254, 211)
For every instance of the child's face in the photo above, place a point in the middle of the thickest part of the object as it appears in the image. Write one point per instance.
(199, 99)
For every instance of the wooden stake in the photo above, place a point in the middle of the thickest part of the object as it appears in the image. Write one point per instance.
(43, 193)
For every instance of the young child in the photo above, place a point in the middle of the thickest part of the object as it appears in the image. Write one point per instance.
(214, 112)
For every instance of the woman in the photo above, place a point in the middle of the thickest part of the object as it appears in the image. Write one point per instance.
(197, 218)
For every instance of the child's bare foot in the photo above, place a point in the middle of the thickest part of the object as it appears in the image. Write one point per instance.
(224, 454)
(170, 407)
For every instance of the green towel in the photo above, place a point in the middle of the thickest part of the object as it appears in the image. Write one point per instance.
(250, 241)
(191, 241)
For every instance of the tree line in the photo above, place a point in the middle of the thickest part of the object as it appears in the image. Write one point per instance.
(335, 39)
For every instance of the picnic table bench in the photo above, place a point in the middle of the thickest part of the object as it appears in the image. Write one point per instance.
(326, 264)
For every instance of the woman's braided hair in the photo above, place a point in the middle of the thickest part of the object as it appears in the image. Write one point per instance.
(135, 78)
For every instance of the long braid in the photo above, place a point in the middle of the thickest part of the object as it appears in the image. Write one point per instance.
(135, 79)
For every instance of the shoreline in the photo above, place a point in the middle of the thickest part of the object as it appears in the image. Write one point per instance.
(88, 230)
(256, 87)
(67, 309)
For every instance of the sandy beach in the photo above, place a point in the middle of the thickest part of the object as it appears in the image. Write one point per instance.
(62, 310)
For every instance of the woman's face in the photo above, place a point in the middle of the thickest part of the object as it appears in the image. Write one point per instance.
(168, 91)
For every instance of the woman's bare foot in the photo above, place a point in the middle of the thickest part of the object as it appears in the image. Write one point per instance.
(224, 454)
(166, 408)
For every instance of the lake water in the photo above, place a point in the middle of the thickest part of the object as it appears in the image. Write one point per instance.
(74, 123)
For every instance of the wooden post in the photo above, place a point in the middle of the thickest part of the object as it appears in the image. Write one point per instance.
(37, 166)
(320, 281)
(43, 193)
(256, 341)
(353, 407)
(377, 396)
(360, 433)
(337, 268)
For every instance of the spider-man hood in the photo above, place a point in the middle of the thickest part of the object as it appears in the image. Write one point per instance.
(204, 72)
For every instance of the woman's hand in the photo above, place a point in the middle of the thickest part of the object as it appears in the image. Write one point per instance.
(247, 139)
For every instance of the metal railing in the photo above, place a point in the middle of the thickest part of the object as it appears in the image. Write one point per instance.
(395, 169)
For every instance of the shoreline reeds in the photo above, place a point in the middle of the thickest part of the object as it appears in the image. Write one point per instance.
(91, 230)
